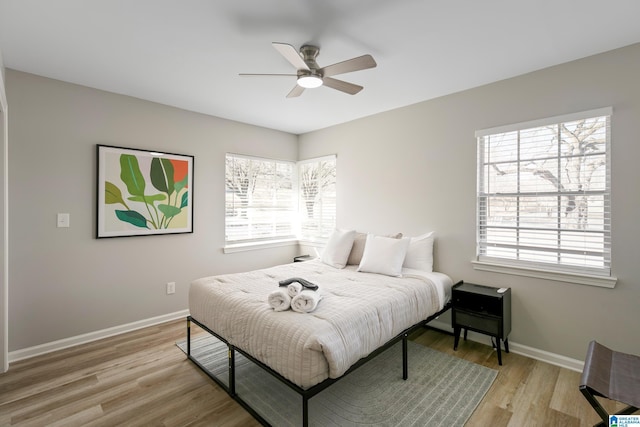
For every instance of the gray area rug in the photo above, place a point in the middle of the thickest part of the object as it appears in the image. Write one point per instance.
(441, 390)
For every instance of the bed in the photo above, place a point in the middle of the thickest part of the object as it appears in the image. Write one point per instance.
(360, 314)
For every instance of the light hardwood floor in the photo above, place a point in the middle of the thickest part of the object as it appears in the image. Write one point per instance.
(141, 378)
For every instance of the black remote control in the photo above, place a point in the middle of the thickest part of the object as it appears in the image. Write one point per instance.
(305, 283)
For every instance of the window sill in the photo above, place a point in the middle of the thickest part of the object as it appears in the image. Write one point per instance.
(581, 279)
(241, 247)
(311, 243)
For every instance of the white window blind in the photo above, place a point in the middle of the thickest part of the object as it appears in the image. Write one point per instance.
(261, 199)
(544, 194)
(317, 180)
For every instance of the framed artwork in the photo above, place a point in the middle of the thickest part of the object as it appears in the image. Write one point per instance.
(143, 193)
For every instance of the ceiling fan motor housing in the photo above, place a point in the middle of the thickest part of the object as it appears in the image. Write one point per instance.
(309, 54)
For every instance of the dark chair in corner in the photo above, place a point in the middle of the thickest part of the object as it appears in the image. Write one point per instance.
(612, 375)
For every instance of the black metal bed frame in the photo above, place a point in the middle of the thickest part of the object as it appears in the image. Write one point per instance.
(305, 393)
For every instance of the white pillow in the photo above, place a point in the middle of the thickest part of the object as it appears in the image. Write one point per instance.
(358, 247)
(383, 255)
(420, 253)
(338, 248)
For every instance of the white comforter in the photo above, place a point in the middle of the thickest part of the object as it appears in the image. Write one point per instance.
(358, 313)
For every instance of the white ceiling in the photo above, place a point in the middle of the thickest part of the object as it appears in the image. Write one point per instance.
(188, 53)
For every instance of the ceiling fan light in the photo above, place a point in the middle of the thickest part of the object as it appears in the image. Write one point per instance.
(309, 82)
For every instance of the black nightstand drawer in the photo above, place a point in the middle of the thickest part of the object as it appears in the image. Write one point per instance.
(476, 322)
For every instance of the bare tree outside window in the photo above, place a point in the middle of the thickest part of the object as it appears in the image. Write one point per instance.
(260, 199)
(315, 178)
(240, 179)
(318, 198)
(543, 194)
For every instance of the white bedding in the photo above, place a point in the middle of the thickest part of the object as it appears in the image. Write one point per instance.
(358, 313)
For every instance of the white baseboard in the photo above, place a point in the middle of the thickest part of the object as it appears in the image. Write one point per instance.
(14, 356)
(37, 350)
(534, 353)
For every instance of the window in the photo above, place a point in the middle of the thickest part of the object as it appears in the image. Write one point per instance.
(271, 200)
(261, 199)
(317, 178)
(544, 195)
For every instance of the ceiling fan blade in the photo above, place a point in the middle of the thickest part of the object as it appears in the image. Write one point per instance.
(360, 63)
(269, 74)
(342, 86)
(296, 91)
(291, 54)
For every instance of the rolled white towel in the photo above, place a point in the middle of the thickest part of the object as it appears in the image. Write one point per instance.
(294, 289)
(306, 301)
(279, 300)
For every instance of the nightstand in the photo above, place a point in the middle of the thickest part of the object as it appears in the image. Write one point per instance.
(481, 309)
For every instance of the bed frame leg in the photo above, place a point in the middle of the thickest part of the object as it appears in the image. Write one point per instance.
(232, 370)
(405, 363)
(188, 336)
(305, 411)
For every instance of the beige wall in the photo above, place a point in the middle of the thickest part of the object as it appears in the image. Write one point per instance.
(414, 169)
(64, 282)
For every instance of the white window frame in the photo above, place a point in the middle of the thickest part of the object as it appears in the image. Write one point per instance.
(233, 245)
(327, 217)
(552, 271)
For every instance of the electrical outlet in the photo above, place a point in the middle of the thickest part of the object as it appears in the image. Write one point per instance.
(171, 288)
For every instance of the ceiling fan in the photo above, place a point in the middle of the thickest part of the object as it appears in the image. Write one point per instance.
(310, 75)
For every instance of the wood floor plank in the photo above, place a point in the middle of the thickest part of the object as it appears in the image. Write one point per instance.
(79, 419)
(533, 397)
(141, 378)
(557, 418)
(487, 415)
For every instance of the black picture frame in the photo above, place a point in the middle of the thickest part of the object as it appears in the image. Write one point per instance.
(143, 192)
